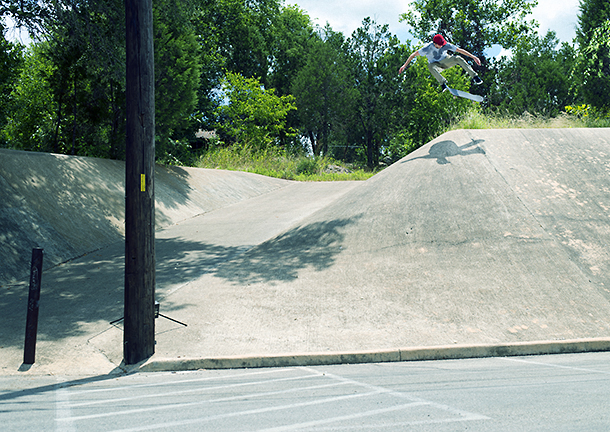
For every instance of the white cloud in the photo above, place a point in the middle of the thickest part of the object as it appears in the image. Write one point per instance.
(560, 16)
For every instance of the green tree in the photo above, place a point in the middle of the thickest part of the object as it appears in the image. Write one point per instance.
(399, 141)
(240, 33)
(30, 125)
(11, 62)
(592, 71)
(82, 49)
(85, 45)
(324, 92)
(29, 13)
(293, 35)
(374, 58)
(234, 36)
(536, 78)
(253, 116)
(593, 15)
(177, 72)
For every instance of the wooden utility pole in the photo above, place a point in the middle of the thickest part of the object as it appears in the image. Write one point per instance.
(139, 332)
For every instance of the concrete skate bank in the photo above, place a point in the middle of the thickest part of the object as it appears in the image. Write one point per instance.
(74, 205)
(480, 238)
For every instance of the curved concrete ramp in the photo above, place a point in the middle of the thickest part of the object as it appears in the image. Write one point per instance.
(73, 205)
(486, 236)
(478, 237)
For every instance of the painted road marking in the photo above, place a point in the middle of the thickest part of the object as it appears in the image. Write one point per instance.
(512, 359)
(63, 411)
(327, 411)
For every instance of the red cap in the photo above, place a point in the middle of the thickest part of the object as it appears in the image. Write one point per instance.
(439, 40)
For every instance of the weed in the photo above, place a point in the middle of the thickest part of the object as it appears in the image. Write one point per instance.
(573, 118)
(274, 162)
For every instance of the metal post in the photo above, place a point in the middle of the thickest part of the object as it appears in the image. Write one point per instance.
(31, 327)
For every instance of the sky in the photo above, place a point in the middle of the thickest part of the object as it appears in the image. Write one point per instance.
(557, 15)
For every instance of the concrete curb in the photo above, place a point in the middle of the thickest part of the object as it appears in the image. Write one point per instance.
(407, 354)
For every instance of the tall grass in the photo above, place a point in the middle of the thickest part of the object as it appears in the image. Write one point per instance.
(273, 162)
(475, 119)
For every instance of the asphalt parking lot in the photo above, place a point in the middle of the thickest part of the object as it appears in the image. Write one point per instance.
(542, 393)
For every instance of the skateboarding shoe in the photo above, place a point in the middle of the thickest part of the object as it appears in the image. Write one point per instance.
(477, 80)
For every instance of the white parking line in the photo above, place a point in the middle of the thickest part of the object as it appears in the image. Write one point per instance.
(512, 359)
(63, 413)
(174, 382)
(317, 423)
(398, 425)
(461, 413)
(183, 392)
(66, 421)
(204, 402)
(247, 412)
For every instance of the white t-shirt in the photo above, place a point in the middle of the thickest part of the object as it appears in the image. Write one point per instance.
(436, 54)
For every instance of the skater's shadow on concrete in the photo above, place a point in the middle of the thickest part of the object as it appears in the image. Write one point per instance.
(443, 150)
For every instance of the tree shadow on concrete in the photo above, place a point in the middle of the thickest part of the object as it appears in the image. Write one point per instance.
(68, 205)
(72, 205)
(314, 246)
(86, 290)
(279, 259)
(446, 149)
(90, 289)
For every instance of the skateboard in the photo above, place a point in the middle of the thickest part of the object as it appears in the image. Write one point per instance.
(466, 95)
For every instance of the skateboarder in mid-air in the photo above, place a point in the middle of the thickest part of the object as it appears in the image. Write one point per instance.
(440, 59)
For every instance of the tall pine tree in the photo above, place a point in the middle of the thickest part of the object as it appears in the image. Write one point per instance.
(593, 66)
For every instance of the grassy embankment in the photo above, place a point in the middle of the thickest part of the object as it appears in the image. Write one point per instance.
(275, 163)
(477, 120)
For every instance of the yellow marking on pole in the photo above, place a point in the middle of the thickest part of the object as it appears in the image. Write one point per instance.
(142, 182)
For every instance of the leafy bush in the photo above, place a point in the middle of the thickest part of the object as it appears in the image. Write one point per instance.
(253, 116)
(307, 166)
